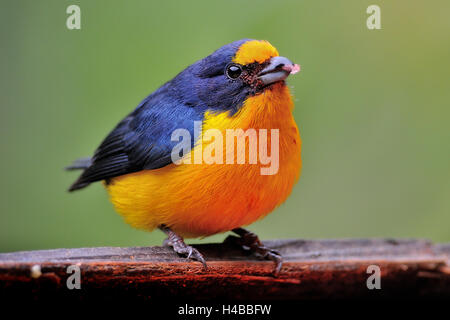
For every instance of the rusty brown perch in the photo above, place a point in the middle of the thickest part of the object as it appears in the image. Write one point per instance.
(312, 270)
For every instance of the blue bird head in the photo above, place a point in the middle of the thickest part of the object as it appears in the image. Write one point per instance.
(223, 80)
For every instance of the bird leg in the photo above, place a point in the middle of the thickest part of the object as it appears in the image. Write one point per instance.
(250, 241)
(177, 243)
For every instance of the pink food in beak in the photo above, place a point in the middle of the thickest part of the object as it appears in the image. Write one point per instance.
(292, 69)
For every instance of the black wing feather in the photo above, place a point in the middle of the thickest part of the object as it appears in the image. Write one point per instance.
(141, 141)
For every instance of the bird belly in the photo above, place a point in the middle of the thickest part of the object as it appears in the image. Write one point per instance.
(204, 199)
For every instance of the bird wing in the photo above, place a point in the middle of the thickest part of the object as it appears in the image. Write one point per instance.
(141, 141)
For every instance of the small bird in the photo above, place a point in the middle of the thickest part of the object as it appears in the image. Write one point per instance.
(239, 86)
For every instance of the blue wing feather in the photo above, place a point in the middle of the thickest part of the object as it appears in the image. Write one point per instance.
(142, 140)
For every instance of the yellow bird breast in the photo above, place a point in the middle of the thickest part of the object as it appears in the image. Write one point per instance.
(204, 199)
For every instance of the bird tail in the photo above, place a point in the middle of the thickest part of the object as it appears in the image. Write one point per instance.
(79, 164)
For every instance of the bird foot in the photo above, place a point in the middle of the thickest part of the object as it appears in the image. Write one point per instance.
(179, 246)
(249, 241)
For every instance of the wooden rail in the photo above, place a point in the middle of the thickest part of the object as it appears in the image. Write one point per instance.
(312, 270)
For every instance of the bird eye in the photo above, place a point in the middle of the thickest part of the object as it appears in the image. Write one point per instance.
(233, 71)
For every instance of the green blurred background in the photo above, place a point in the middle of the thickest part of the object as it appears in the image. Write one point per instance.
(372, 107)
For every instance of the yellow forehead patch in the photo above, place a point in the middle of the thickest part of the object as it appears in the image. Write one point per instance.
(255, 51)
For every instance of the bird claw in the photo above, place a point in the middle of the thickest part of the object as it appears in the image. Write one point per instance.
(251, 241)
(179, 246)
(276, 257)
(189, 252)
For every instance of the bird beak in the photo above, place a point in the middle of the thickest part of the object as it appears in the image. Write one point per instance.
(278, 69)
